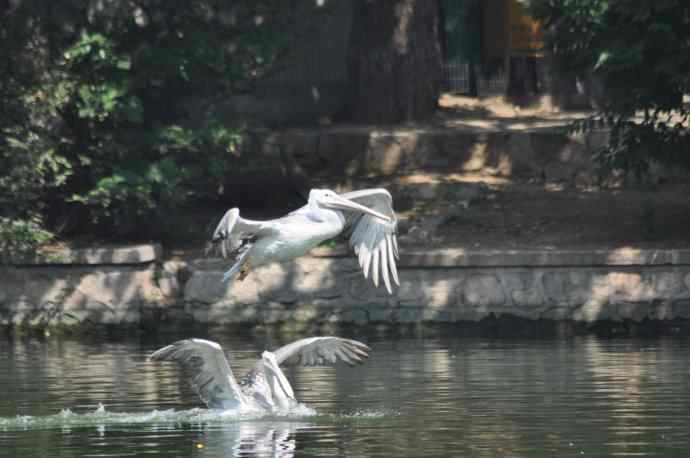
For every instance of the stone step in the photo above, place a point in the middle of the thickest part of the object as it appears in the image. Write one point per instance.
(362, 152)
(300, 159)
(344, 157)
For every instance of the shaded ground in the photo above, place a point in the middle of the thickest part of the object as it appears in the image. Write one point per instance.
(533, 216)
(506, 214)
(494, 113)
(475, 213)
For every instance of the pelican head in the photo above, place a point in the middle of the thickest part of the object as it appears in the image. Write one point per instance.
(326, 198)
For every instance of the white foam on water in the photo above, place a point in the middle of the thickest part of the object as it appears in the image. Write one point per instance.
(364, 415)
(171, 418)
(66, 418)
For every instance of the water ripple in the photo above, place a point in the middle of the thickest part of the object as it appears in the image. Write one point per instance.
(414, 397)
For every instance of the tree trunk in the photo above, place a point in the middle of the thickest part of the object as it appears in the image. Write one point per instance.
(394, 61)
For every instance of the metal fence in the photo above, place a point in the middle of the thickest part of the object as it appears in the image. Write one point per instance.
(461, 34)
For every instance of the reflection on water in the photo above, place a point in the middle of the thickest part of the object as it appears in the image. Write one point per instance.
(414, 397)
(261, 438)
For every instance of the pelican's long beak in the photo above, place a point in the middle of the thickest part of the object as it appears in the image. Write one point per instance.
(342, 203)
(271, 364)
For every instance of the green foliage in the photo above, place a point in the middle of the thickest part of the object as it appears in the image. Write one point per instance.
(19, 237)
(638, 53)
(31, 169)
(98, 133)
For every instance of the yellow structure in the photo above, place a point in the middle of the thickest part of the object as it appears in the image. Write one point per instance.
(525, 33)
(508, 31)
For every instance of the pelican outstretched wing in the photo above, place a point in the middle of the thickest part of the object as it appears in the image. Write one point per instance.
(322, 351)
(373, 239)
(212, 378)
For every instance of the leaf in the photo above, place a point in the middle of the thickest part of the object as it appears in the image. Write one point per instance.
(124, 64)
(15, 143)
(87, 113)
(111, 181)
(601, 61)
(77, 198)
(85, 92)
(154, 174)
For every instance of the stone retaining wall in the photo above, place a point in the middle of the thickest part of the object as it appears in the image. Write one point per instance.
(134, 286)
(325, 154)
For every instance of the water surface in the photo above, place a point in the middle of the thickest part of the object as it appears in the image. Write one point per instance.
(443, 396)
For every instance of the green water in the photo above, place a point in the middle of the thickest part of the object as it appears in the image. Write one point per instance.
(445, 396)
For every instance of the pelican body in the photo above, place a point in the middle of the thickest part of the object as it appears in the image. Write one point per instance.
(264, 387)
(366, 216)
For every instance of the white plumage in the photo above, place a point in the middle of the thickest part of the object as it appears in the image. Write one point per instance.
(265, 386)
(366, 217)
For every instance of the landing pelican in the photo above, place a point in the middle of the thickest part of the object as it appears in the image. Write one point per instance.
(365, 216)
(264, 387)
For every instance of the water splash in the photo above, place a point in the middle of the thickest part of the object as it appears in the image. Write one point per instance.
(370, 414)
(66, 418)
(101, 417)
(364, 415)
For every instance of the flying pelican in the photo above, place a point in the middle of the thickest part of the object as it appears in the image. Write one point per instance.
(264, 387)
(365, 216)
